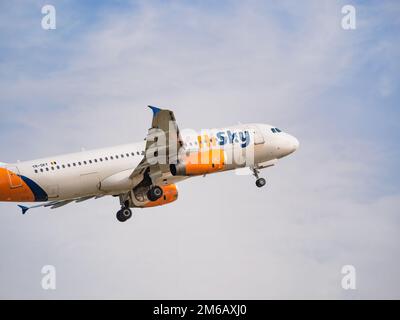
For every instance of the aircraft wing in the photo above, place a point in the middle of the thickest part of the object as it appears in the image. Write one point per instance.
(57, 204)
(163, 142)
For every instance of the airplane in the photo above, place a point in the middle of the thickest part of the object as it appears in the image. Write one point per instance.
(144, 174)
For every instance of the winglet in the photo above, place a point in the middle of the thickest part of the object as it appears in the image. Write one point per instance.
(24, 209)
(155, 109)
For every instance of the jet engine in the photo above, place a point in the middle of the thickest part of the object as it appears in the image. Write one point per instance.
(170, 194)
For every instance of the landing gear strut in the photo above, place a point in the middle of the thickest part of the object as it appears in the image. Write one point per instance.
(124, 214)
(154, 193)
(260, 182)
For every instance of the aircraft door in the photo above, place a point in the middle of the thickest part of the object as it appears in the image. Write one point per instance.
(258, 137)
(14, 178)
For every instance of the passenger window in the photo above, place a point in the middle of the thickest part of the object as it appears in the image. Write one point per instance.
(112, 158)
(41, 170)
(36, 171)
(133, 154)
(116, 157)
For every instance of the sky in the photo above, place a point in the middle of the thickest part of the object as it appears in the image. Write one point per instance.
(334, 202)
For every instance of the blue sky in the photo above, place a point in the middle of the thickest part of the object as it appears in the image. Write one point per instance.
(87, 84)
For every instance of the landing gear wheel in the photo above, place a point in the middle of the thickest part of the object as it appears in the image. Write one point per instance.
(260, 182)
(124, 214)
(155, 193)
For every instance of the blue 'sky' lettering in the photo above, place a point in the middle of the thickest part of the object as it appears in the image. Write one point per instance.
(244, 138)
(221, 138)
(231, 136)
(234, 137)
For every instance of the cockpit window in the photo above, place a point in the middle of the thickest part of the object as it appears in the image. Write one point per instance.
(273, 130)
(278, 130)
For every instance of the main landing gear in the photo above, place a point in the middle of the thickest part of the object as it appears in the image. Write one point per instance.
(260, 182)
(124, 214)
(154, 193)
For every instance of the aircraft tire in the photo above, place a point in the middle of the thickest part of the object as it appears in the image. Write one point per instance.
(124, 214)
(155, 193)
(260, 182)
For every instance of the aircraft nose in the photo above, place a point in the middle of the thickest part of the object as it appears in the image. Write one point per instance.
(288, 145)
(295, 143)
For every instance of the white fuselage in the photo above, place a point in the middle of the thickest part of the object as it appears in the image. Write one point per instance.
(107, 171)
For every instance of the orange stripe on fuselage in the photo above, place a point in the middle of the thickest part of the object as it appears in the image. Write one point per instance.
(204, 162)
(13, 188)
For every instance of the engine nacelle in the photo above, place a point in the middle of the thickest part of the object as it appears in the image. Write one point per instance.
(170, 194)
(200, 163)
